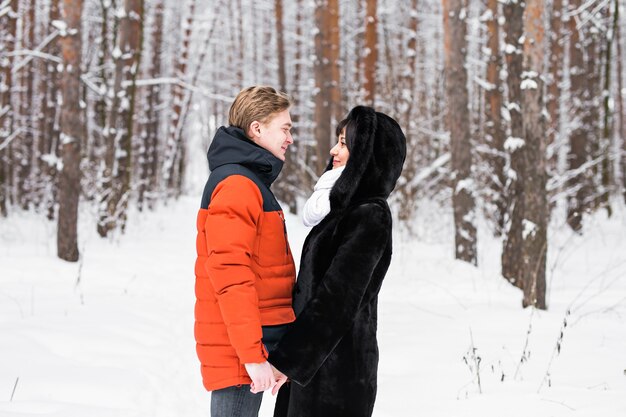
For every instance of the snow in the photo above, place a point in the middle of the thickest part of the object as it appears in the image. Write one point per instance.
(113, 334)
(529, 228)
(512, 143)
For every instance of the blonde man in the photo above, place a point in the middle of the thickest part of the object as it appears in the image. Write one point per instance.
(244, 269)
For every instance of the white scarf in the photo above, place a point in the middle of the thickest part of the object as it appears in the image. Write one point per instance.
(318, 205)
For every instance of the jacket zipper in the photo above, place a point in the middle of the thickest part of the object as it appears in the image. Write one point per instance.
(282, 217)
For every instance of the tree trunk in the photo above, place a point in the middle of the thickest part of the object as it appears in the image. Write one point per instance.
(119, 128)
(7, 114)
(23, 153)
(494, 127)
(578, 135)
(150, 163)
(371, 53)
(326, 70)
(512, 263)
(607, 123)
(175, 154)
(72, 130)
(619, 96)
(280, 45)
(556, 40)
(455, 49)
(534, 223)
(103, 152)
(50, 126)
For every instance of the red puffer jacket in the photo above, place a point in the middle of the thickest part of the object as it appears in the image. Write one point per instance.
(244, 270)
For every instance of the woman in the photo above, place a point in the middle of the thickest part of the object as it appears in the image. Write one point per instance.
(330, 352)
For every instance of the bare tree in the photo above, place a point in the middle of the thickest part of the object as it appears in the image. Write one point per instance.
(494, 125)
(72, 130)
(512, 264)
(175, 149)
(607, 122)
(149, 162)
(49, 117)
(280, 44)
(579, 147)
(371, 52)
(455, 47)
(326, 69)
(621, 122)
(118, 131)
(535, 221)
(556, 40)
(7, 113)
(23, 153)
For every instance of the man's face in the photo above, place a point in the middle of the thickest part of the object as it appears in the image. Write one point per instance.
(274, 135)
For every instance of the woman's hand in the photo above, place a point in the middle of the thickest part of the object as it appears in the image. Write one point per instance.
(261, 375)
(280, 380)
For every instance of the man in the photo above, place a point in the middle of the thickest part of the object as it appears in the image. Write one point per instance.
(244, 270)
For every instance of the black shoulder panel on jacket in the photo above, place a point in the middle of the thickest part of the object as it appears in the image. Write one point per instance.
(225, 171)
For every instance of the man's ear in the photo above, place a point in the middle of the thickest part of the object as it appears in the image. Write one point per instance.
(254, 131)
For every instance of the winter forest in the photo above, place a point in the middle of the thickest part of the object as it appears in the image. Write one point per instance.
(514, 113)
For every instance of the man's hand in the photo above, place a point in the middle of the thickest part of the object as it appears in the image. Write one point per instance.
(261, 375)
(280, 380)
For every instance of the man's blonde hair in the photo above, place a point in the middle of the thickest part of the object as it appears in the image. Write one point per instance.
(256, 103)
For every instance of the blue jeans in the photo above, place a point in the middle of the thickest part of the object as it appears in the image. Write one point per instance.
(236, 401)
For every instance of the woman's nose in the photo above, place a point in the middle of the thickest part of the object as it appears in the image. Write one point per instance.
(333, 150)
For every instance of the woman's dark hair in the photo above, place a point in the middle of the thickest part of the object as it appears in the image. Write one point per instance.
(348, 124)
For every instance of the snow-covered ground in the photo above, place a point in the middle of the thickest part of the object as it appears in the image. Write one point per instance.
(113, 334)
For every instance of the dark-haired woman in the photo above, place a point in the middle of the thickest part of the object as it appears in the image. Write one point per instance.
(330, 353)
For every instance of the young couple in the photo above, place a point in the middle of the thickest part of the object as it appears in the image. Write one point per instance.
(256, 326)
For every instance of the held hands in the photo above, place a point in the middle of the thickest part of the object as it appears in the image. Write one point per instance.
(280, 380)
(264, 376)
(261, 375)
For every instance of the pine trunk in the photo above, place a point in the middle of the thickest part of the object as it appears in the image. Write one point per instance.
(494, 127)
(119, 128)
(72, 130)
(175, 156)
(6, 107)
(150, 163)
(534, 223)
(621, 117)
(23, 154)
(280, 45)
(512, 263)
(371, 53)
(607, 122)
(326, 70)
(455, 49)
(557, 52)
(579, 189)
(50, 126)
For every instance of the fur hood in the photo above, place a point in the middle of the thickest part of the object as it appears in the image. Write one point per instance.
(377, 148)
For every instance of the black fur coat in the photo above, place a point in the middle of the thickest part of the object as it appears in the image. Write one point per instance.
(330, 352)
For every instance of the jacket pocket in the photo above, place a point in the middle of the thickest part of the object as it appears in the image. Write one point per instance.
(272, 248)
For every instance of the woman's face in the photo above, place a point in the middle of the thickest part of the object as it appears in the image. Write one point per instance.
(340, 152)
